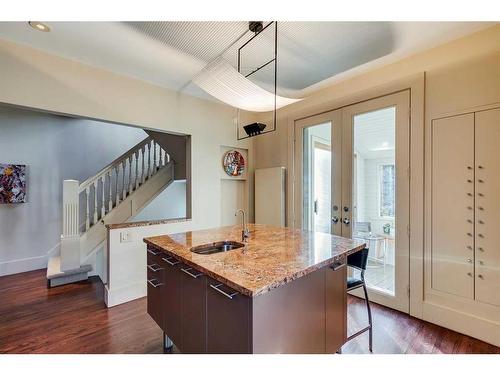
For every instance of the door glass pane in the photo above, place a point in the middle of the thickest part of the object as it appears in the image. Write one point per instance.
(317, 178)
(374, 199)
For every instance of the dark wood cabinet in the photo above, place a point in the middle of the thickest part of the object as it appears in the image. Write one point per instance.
(171, 303)
(193, 309)
(336, 306)
(156, 283)
(202, 315)
(228, 319)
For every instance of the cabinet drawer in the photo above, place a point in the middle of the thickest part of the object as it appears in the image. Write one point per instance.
(336, 306)
(193, 310)
(172, 298)
(228, 319)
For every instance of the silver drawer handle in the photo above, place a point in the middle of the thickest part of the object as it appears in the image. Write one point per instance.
(170, 261)
(154, 267)
(216, 287)
(337, 266)
(153, 284)
(153, 252)
(186, 271)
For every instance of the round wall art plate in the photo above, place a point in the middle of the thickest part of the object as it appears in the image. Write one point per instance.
(233, 163)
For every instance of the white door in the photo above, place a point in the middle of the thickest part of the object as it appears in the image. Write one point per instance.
(352, 179)
(318, 173)
(375, 192)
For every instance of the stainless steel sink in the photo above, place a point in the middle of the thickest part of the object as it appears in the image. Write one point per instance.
(216, 247)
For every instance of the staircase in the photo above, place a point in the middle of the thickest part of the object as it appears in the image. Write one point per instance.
(113, 195)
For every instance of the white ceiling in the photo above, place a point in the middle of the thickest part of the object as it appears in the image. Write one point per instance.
(170, 54)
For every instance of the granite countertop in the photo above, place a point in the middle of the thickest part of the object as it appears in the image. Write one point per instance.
(145, 223)
(272, 256)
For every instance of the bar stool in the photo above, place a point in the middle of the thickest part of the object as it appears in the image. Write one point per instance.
(358, 261)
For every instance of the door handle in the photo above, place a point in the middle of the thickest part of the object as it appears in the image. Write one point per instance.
(335, 219)
(187, 271)
(171, 260)
(315, 206)
(154, 267)
(337, 265)
(346, 220)
(228, 295)
(153, 251)
(155, 283)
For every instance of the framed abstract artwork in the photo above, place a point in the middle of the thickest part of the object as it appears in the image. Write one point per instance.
(233, 163)
(12, 183)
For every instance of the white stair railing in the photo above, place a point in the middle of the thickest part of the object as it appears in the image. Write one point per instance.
(87, 203)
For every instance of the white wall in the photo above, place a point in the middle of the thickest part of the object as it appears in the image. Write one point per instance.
(36, 79)
(169, 204)
(54, 148)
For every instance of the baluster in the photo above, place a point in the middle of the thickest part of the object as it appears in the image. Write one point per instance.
(130, 174)
(110, 202)
(136, 170)
(103, 203)
(124, 190)
(117, 192)
(143, 154)
(154, 157)
(95, 202)
(162, 157)
(149, 160)
(168, 157)
(87, 212)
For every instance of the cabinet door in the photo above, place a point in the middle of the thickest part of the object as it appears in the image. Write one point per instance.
(336, 306)
(487, 254)
(193, 305)
(228, 320)
(453, 205)
(172, 298)
(156, 283)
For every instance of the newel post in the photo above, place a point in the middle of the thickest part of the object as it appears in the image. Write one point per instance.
(70, 238)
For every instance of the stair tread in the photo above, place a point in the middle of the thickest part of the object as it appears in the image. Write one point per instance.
(54, 268)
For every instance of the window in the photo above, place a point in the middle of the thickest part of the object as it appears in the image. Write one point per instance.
(387, 190)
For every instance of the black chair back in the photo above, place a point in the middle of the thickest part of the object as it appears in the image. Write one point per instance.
(358, 259)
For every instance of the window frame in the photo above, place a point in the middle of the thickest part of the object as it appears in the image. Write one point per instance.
(380, 167)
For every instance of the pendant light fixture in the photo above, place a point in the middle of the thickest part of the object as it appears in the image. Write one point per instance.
(234, 86)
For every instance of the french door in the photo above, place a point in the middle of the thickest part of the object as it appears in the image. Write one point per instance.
(353, 164)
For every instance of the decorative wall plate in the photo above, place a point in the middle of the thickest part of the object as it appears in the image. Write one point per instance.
(233, 163)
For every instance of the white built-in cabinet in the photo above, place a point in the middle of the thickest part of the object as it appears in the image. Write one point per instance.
(465, 200)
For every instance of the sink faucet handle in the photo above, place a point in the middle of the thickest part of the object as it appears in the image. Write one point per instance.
(244, 232)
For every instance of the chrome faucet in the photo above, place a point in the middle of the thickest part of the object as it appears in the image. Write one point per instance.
(244, 231)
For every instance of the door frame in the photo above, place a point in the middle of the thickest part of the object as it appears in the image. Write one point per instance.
(401, 299)
(355, 93)
(335, 118)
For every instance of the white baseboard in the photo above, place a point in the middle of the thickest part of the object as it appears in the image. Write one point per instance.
(124, 294)
(458, 321)
(23, 265)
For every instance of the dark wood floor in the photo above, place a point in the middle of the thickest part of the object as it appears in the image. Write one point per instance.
(74, 319)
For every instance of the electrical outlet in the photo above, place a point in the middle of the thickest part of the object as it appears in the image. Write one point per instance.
(125, 236)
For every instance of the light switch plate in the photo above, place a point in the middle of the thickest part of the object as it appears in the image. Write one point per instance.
(125, 236)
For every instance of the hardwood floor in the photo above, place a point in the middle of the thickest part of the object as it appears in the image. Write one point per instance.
(74, 319)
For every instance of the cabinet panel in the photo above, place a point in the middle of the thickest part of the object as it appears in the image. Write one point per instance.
(487, 182)
(172, 298)
(453, 205)
(228, 320)
(193, 307)
(336, 307)
(156, 283)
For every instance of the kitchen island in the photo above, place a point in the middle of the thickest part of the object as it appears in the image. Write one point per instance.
(284, 291)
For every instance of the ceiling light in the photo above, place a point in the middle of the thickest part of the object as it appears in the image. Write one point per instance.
(39, 26)
(222, 81)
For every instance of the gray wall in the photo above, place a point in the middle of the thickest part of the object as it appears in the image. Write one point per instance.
(54, 148)
(169, 204)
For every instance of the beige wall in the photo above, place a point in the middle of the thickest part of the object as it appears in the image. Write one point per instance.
(34, 79)
(460, 74)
